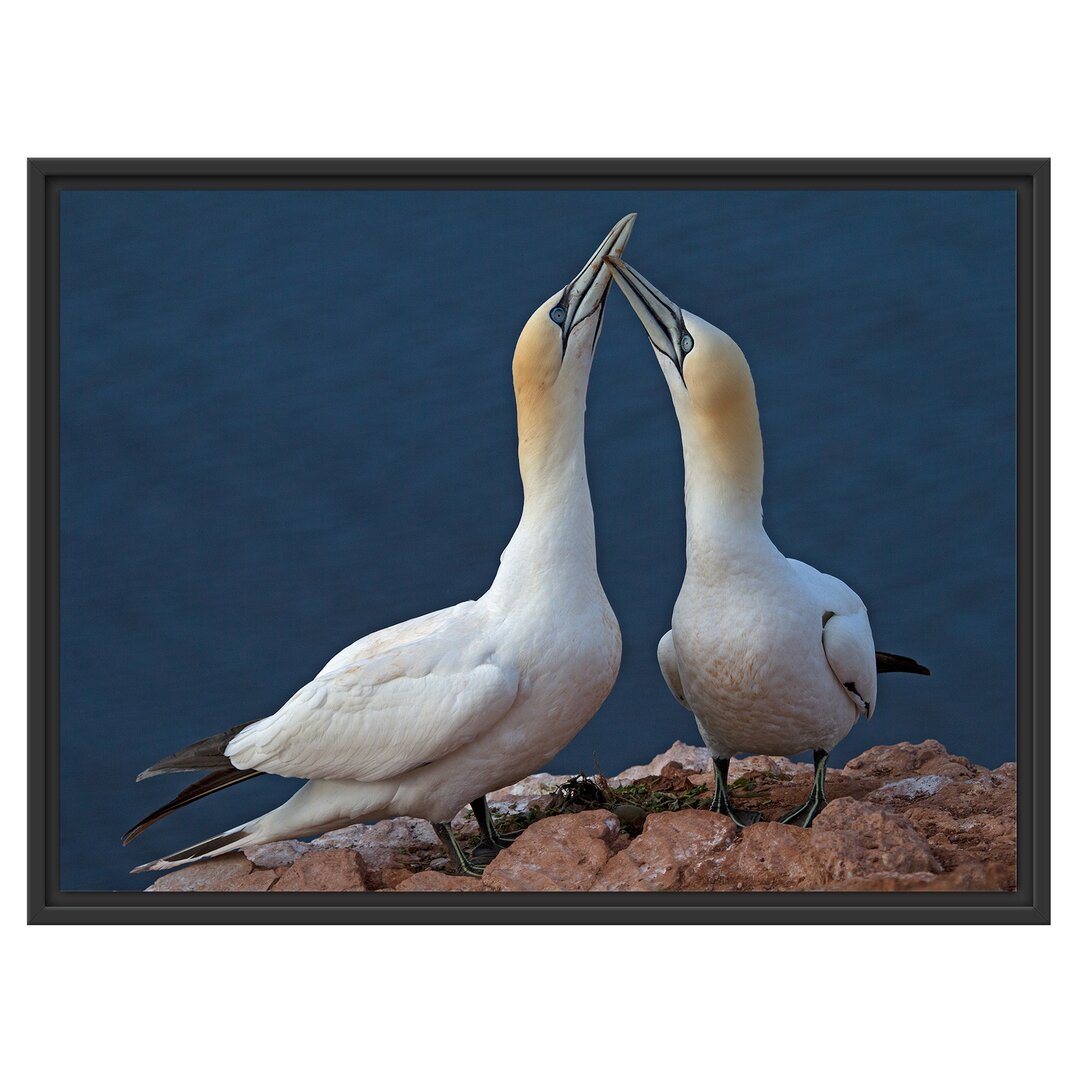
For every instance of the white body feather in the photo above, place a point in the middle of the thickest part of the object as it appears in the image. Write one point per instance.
(749, 656)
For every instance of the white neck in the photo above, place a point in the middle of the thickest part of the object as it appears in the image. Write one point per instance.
(554, 545)
(724, 464)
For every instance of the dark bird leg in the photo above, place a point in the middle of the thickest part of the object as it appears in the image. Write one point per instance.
(721, 802)
(491, 843)
(813, 806)
(453, 848)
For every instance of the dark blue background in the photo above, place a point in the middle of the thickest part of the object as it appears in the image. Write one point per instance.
(287, 420)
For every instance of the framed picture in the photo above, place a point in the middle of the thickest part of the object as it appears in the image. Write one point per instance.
(309, 508)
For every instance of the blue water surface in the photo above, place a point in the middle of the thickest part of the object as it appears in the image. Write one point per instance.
(287, 420)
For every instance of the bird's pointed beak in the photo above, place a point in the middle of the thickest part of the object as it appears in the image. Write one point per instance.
(662, 318)
(587, 293)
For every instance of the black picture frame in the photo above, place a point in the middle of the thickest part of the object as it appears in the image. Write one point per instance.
(1029, 178)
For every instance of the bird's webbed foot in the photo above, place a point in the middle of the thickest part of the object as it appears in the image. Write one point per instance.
(721, 801)
(462, 862)
(742, 818)
(490, 837)
(804, 816)
(484, 852)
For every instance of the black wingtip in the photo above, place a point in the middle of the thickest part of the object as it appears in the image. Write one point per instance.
(141, 827)
(205, 785)
(887, 662)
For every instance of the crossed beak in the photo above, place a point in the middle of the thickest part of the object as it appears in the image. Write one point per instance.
(662, 319)
(587, 294)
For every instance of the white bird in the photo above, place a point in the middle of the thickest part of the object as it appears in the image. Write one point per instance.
(770, 655)
(426, 716)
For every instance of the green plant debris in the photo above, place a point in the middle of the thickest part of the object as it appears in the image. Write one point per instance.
(650, 795)
(655, 800)
(745, 787)
(632, 803)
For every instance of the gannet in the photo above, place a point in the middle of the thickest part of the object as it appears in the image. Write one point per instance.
(770, 655)
(425, 717)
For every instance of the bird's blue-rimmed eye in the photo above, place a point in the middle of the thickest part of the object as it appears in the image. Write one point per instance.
(558, 315)
(687, 343)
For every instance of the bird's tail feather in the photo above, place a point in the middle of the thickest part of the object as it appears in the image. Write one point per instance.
(204, 754)
(205, 785)
(891, 662)
(225, 842)
(318, 807)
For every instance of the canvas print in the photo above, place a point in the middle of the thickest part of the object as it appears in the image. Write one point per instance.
(357, 595)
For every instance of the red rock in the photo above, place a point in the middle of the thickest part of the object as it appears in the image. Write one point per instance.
(983, 794)
(386, 847)
(909, 789)
(226, 873)
(556, 853)
(390, 878)
(681, 850)
(771, 857)
(431, 881)
(886, 883)
(374, 841)
(907, 759)
(791, 790)
(976, 877)
(931, 822)
(694, 759)
(767, 765)
(525, 793)
(675, 771)
(902, 818)
(278, 854)
(332, 870)
(852, 839)
(848, 840)
(972, 821)
(970, 877)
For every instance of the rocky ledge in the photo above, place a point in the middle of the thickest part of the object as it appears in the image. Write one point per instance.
(900, 818)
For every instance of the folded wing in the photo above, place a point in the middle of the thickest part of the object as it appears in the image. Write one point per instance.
(381, 717)
(669, 667)
(845, 634)
(849, 649)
